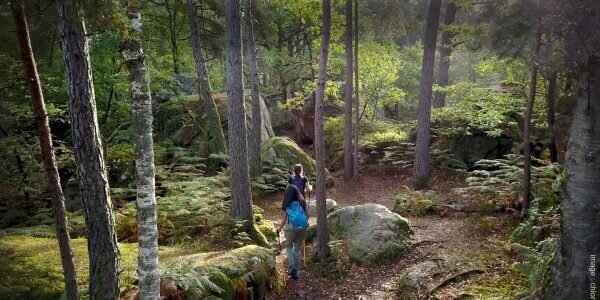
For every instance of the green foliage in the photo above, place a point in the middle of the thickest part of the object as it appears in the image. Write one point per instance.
(536, 263)
(476, 110)
(499, 179)
(120, 165)
(195, 285)
(416, 203)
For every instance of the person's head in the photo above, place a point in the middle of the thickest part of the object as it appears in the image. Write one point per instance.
(291, 194)
(298, 170)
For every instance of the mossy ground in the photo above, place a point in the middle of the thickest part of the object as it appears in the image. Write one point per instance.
(34, 264)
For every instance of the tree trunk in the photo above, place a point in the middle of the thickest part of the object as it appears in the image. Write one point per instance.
(87, 146)
(550, 115)
(141, 99)
(348, 170)
(356, 95)
(527, 126)
(579, 243)
(215, 130)
(322, 233)
(255, 142)
(424, 122)
(241, 201)
(56, 194)
(446, 49)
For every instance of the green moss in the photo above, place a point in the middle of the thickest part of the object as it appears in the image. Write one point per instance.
(267, 228)
(287, 150)
(32, 265)
(224, 283)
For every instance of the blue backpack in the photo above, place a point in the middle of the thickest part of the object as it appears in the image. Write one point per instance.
(296, 216)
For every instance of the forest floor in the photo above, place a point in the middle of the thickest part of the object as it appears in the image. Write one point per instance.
(456, 241)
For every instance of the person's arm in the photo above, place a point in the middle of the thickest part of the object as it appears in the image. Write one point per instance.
(308, 186)
(282, 221)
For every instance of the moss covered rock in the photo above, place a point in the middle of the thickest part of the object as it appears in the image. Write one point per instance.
(234, 272)
(370, 232)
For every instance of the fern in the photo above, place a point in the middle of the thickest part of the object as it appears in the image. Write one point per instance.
(195, 284)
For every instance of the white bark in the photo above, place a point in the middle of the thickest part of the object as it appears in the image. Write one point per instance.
(133, 55)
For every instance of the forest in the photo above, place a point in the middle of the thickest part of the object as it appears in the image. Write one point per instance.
(299, 149)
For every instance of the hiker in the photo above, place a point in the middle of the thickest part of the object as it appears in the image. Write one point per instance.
(300, 181)
(295, 221)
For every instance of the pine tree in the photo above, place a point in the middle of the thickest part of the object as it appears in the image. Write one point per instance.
(141, 99)
(322, 233)
(348, 170)
(422, 167)
(241, 201)
(445, 51)
(89, 157)
(356, 94)
(255, 141)
(215, 130)
(56, 194)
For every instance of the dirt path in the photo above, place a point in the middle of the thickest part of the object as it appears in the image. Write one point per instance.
(455, 241)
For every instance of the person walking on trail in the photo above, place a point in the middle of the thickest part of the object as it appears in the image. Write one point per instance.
(295, 222)
(300, 181)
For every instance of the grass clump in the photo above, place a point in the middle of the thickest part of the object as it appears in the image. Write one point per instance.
(416, 203)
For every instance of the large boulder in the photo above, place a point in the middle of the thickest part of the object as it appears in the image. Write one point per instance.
(370, 232)
(312, 207)
(266, 130)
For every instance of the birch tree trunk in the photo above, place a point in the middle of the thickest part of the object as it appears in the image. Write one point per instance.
(422, 171)
(322, 233)
(56, 194)
(255, 142)
(579, 243)
(348, 159)
(215, 130)
(241, 201)
(445, 51)
(356, 95)
(141, 99)
(527, 125)
(87, 146)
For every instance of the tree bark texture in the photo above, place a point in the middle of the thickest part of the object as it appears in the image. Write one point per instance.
(215, 130)
(141, 100)
(445, 51)
(322, 233)
(348, 158)
(579, 243)
(422, 167)
(56, 194)
(355, 164)
(551, 114)
(241, 201)
(255, 142)
(87, 146)
(527, 125)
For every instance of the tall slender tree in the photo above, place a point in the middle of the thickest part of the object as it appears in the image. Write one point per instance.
(356, 94)
(56, 194)
(424, 123)
(527, 123)
(255, 140)
(348, 158)
(141, 99)
(322, 233)
(89, 157)
(215, 130)
(551, 114)
(241, 201)
(445, 51)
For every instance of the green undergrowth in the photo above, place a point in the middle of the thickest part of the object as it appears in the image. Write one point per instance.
(416, 203)
(30, 268)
